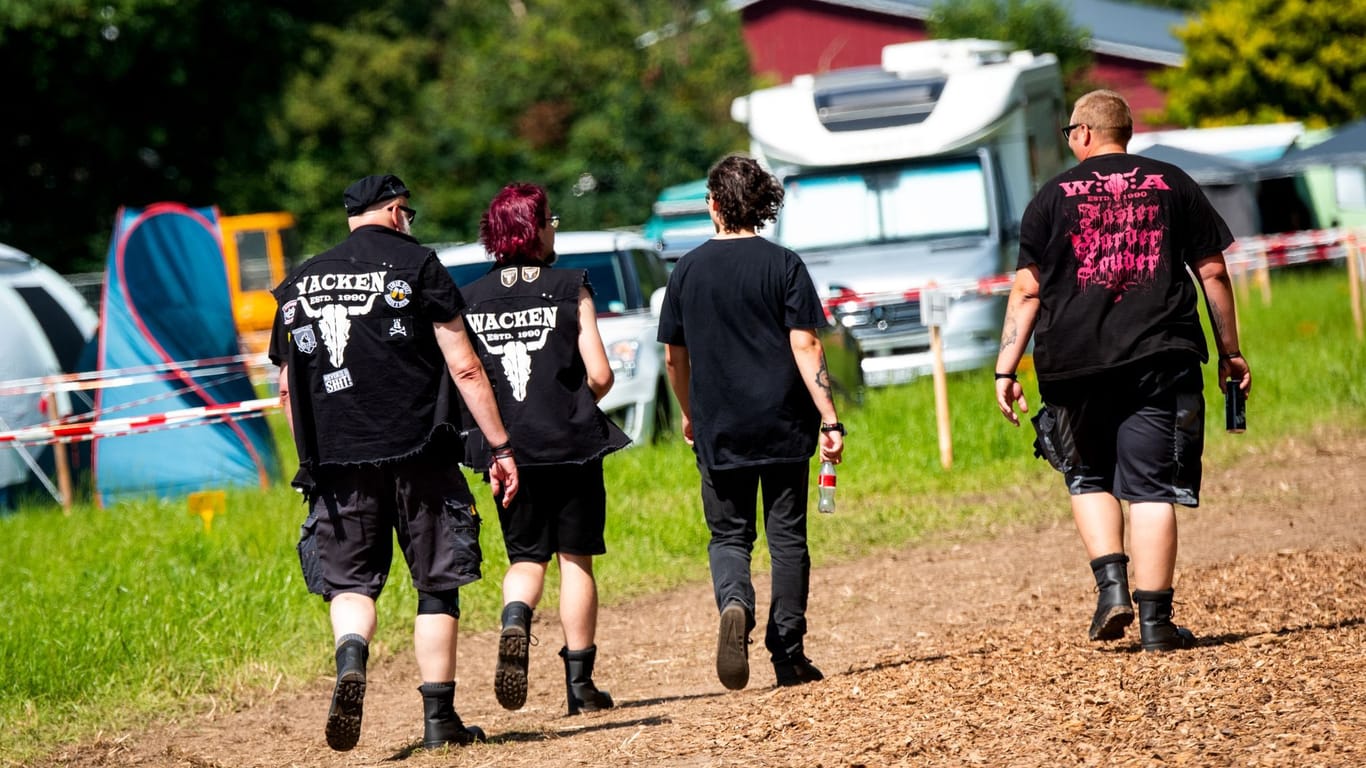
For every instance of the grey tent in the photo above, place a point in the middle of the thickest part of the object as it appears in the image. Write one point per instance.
(1229, 184)
(1347, 146)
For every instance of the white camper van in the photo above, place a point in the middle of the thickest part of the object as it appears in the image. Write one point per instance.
(913, 172)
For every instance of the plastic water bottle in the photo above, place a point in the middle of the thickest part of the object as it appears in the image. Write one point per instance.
(825, 485)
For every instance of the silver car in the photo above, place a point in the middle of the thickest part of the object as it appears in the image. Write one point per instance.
(628, 278)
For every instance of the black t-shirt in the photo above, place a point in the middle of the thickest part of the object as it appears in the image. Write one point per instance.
(523, 320)
(368, 382)
(1112, 238)
(732, 303)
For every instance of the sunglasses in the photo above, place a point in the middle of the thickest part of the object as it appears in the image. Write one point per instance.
(1067, 130)
(409, 212)
(553, 221)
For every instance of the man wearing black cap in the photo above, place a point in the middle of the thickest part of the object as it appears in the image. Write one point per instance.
(369, 338)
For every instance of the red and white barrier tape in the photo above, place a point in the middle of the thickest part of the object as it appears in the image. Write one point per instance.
(110, 377)
(46, 434)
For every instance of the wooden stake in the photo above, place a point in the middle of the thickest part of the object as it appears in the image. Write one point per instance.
(60, 458)
(1263, 278)
(941, 399)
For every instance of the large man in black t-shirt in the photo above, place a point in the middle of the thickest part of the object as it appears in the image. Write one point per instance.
(1102, 285)
(369, 338)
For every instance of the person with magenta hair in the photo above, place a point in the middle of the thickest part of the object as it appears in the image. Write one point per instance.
(537, 332)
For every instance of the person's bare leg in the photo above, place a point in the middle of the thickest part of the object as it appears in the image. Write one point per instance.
(434, 643)
(435, 638)
(578, 601)
(1100, 521)
(352, 614)
(1152, 544)
(579, 617)
(524, 582)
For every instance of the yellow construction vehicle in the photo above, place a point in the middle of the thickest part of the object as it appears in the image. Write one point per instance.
(258, 250)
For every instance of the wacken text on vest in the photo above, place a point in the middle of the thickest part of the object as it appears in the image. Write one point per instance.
(371, 282)
(536, 317)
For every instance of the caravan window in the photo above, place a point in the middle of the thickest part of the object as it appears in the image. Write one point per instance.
(885, 203)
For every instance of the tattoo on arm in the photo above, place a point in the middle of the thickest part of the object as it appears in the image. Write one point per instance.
(1216, 319)
(1011, 334)
(823, 377)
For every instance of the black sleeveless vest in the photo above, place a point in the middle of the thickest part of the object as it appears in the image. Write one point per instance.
(523, 320)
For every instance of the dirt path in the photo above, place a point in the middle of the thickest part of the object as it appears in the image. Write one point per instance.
(969, 653)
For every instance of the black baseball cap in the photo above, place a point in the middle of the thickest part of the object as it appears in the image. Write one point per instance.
(370, 190)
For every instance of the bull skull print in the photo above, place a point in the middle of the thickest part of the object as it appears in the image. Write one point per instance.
(334, 323)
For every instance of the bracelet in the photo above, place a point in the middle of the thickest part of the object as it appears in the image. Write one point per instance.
(1231, 355)
(834, 427)
(506, 446)
(1010, 376)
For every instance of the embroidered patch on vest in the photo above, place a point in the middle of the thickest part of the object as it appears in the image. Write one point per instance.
(288, 311)
(399, 327)
(397, 293)
(508, 277)
(337, 380)
(304, 339)
(529, 274)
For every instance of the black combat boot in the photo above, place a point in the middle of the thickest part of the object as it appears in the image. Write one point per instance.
(1155, 622)
(442, 726)
(348, 697)
(1114, 612)
(796, 670)
(514, 648)
(583, 695)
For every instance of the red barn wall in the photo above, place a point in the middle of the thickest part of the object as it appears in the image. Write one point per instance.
(796, 38)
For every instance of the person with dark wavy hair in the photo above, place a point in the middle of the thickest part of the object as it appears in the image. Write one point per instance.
(739, 320)
(538, 338)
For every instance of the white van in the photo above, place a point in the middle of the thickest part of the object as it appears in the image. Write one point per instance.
(907, 174)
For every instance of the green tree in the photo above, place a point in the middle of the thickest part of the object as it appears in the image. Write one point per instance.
(252, 105)
(1042, 26)
(604, 103)
(129, 102)
(1264, 61)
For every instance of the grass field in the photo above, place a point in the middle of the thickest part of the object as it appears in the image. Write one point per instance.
(116, 616)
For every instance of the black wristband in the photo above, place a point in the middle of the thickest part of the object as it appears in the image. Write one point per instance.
(834, 427)
(1010, 376)
(506, 446)
(1231, 355)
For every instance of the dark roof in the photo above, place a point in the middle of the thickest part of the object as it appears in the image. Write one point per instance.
(1125, 30)
(1205, 169)
(1347, 146)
